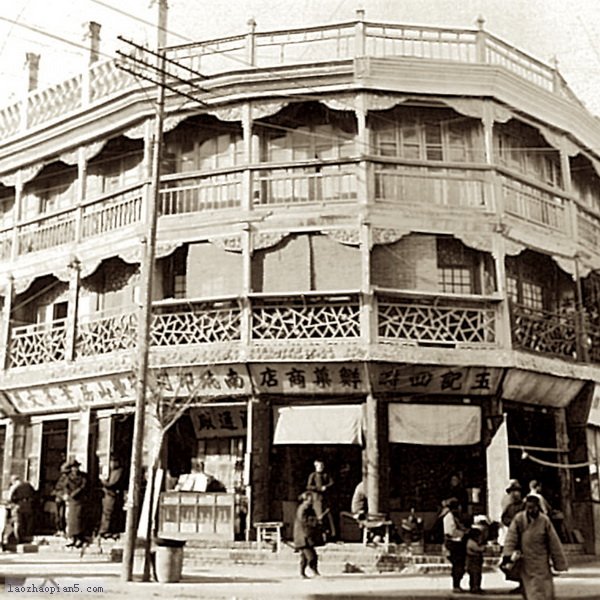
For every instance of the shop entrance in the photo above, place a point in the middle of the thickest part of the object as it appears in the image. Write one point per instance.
(55, 435)
(292, 464)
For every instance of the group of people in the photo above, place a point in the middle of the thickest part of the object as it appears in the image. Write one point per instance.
(527, 536)
(70, 494)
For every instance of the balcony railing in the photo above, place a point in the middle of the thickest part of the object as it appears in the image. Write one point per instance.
(38, 344)
(308, 45)
(427, 185)
(179, 323)
(304, 185)
(544, 332)
(196, 194)
(5, 244)
(433, 323)
(105, 333)
(112, 213)
(306, 318)
(47, 232)
(534, 205)
(588, 228)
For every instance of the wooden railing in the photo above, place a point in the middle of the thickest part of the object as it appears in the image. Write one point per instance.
(445, 323)
(309, 45)
(545, 332)
(304, 185)
(534, 204)
(47, 232)
(106, 332)
(5, 244)
(588, 228)
(201, 193)
(427, 186)
(112, 213)
(38, 344)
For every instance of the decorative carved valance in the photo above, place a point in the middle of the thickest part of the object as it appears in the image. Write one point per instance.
(131, 255)
(231, 243)
(349, 237)
(165, 248)
(9, 180)
(136, 132)
(381, 235)
(384, 101)
(481, 241)
(267, 239)
(28, 173)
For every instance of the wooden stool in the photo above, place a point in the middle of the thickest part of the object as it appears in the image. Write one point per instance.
(371, 523)
(269, 532)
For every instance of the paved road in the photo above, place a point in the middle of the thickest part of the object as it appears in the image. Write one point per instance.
(90, 578)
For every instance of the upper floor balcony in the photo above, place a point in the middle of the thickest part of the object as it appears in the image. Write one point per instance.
(286, 48)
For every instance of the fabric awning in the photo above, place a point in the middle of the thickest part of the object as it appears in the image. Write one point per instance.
(434, 424)
(337, 424)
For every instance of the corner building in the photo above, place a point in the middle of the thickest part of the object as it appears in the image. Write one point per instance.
(377, 245)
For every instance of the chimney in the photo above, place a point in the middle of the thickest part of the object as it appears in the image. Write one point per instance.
(32, 64)
(93, 35)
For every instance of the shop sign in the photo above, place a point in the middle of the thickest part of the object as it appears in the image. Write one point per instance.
(419, 379)
(217, 380)
(74, 394)
(219, 421)
(309, 378)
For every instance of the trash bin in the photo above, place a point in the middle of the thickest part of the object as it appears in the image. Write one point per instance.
(168, 559)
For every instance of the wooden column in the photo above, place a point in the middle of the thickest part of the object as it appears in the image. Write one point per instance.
(9, 298)
(372, 455)
(260, 467)
(18, 213)
(565, 476)
(503, 329)
(72, 306)
(247, 478)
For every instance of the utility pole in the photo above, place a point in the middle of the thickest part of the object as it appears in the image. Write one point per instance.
(145, 312)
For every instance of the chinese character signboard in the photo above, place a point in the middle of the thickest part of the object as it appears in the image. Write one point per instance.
(309, 378)
(423, 379)
(219, 421)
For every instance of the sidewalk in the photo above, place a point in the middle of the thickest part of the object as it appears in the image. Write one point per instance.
(100, 579)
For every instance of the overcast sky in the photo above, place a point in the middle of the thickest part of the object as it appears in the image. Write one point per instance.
(544, 28)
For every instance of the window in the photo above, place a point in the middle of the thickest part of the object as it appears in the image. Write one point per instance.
(532, 295)
(414, 135)
(456, 267)
(455, 280)
(512, 289)
(54, 189)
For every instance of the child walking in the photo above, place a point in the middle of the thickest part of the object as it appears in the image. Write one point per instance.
(475, 550)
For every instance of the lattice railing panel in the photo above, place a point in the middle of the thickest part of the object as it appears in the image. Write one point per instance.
(106, 334)
(545, 332)
(203, 324)
(37, 344)
(314, 319)
(425, 323)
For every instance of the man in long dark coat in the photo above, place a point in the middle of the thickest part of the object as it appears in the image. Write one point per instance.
(532, 534)
(74, 496)
(305, 532)
(22, 496)
(319, 484)
(112, 500)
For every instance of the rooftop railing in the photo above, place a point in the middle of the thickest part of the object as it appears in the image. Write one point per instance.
(307, 45)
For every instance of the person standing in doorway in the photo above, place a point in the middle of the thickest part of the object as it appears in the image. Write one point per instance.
(21, 497)
(320, 483)
(532, 534)
(454, 540)
(74, 496)
(305, 531)
(112, 500)
(59, 492)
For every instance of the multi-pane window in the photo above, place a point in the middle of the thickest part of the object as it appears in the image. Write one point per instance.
(455, 280)
(533, 296)
(522, 149)
(119, 165)
(187, 151)
(310, 142)
(53, 189)
(7, 206)
(414, 135)
(512, 289)
(586, 182)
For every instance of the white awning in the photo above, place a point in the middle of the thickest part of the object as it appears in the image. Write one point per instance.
(337, 424)
(434, 424)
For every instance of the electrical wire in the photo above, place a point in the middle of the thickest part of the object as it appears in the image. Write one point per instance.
(547, 463)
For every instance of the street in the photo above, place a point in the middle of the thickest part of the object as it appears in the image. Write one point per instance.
(41, 577)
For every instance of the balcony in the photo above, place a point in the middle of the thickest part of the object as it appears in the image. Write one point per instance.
(544, 332)
(267, 50)
(38, 344)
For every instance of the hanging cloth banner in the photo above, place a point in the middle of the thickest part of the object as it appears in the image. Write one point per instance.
(337, 424)
(434, 424)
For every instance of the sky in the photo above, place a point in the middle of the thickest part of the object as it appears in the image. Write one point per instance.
(565, 29)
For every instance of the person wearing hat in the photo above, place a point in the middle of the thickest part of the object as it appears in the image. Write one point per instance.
(74, 492)
(112, 499)
(512, 503)
(455, 542)
(305, 534)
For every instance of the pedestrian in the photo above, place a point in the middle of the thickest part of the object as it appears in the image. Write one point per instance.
(112, 500)
(61, 508)
(74, 496)
(535, 489)
(320, 484)
(474, 563)
(21, 497)
(359, 506)
(532, 535)
(454, 540)
(512, 503)
(305, 532)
